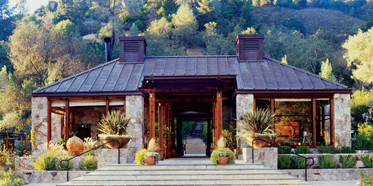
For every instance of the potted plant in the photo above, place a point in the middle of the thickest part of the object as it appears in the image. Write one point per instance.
(222, 155)
(113, 127)
(148, 156)
(257, 125)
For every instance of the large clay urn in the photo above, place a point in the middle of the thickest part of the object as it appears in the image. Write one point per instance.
(258, 143)
(75, 145)
(149, 160)
(223, 160)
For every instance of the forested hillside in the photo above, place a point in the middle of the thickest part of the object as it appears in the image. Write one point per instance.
(330, 38)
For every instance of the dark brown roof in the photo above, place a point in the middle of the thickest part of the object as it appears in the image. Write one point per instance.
(115, 76)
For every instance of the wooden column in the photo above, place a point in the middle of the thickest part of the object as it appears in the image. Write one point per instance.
(273, 111)
(124, 106)
(208, 145)
(214, 125)
(62, 125)
(49, 120)
(25, 141)
(67, 113)
(219, 114)
(160, 128)
(332, 120)
(169, 125)
(107, 106)
(152, 115)
(314, 121)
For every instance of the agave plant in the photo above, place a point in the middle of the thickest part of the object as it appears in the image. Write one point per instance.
(152, 146)
(258, 122)
(115, 123)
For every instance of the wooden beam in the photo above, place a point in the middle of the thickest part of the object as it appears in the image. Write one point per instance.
(314, 121)
(62, 125)
(332, 120)
(67, 127)
(188, 99)
(49, 120)
(152, 115)
(160, 128)
(85, 98)
(107, 106)
(186, 89)
(219, 108)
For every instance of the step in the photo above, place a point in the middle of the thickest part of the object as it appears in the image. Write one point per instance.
(184, 172)
(131, 167)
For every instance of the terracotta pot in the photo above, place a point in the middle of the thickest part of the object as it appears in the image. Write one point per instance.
(258, 143)
(223, 160)
(114, 145)
(75, 145)
(149, 160)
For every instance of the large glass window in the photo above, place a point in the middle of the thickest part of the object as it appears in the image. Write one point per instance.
(293, 121)
(263, 103)
(323, 123)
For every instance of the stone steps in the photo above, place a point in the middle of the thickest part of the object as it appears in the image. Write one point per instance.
(186, 174)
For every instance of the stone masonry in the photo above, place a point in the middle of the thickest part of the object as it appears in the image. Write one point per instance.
(56, 128)
(135, 108)
(266, 156)
(244, 103)
(39, 123)
(342, 120)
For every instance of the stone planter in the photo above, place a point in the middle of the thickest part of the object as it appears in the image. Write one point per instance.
(223, 160)
(149, 160)
(258, 143)
(114, 145)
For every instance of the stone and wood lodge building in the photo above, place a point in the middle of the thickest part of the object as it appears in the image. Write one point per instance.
(310, 110)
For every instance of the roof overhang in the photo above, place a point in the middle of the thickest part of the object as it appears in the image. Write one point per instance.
(298, 91)
(70, 94)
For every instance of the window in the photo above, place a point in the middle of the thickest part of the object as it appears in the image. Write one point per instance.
(323, 122)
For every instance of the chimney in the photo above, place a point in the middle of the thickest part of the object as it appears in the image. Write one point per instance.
(132, 49)
(250, 47)
(107, 48)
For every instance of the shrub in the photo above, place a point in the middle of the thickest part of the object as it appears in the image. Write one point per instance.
(4, 155)
(347, 161)
(218, 152)
(21, 148)
(346, 149)
(298, 162)
(365, 179)
(282, 151)
(140, 156)
(8, 178)
(367, 160)
(363, 142)
(303, 150)
(89, 163)
(45, 162)
(327, 162)
(365, 128)
(283, 161)
(325, 149)
(64, 165)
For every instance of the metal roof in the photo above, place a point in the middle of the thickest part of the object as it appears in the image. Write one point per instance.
(115, 76)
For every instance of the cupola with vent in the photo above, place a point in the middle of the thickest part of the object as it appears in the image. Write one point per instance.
(250, 47)
(132, 49)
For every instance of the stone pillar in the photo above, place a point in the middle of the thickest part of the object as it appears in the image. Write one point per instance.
(266, 156)
(342, 120)
(39, 124)
(135, 108)
(244, 103)
(56, 128)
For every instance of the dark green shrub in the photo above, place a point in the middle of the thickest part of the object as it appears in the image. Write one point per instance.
(298, 162)
(327, 162)
(325, 149)
(363, 142)
(284, 161)
(346, 149)
(367, 160)
(303, 150)
(282, 151)
(347, 161)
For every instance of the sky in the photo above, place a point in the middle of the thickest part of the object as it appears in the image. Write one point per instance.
(32, 4)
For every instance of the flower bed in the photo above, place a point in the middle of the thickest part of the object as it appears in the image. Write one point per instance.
(328, 174)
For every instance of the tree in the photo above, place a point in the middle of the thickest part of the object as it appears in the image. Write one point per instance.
(185, 25)
(205, 13)
(326, 70)
(22, 8)
(284, 60)
(358, 53)
(4, 61)
(360, 100)
(167, 9)
(134, 31)
(5, 10)
(160, 27)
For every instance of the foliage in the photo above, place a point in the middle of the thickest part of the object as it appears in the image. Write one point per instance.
(153, 146)
(326, 149)
(45, 162)
(9, 178)
(89, 163)
(4, 155)
(327, 162)
(115, 123)
(215, 155)
(21, 148)
(293, 23)
(326, 70)
(363, 142)
(347, 161)
(367, 160)
(346, 149)
(155, 155)
(365, 129)
(65, 165)
(298, 162)
(89, 143)
(358, 49)
(259, 121)
(140, 156)
(221, 143)
(32, 136)
(229, 135)
(365, 180)
(284, 161)
(360, 103)
(282, 151)
(303, 150)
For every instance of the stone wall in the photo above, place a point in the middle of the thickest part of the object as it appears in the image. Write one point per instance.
(87, 115)
(39, 123)
(328, 174)
(135, 108)
(266, 156)
(56, 128)
(342, 120)
(244, 102)
(110, 156)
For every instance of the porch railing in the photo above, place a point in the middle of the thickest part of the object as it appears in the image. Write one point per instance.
(305, 158)
(94, 148)
(10, 139)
